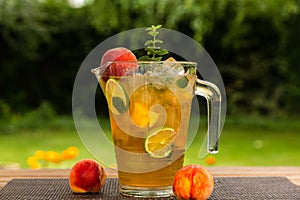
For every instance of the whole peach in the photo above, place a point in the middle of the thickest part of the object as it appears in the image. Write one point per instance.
(118, 68)
(87, 175)
(193, 182)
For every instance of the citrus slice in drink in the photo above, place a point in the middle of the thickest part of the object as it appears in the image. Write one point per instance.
(159, 143)
(116, 96)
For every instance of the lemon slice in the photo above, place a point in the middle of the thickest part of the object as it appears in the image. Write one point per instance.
(159, 144)
(116, 96)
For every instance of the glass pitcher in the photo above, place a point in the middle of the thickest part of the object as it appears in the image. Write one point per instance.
(149, 110)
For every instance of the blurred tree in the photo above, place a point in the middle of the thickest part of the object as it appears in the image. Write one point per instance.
(254, 67)
(290, 58)
(22, 31)
(254, 43)
(22, 26)
(193, 17)
(42, 46)
(248, 40)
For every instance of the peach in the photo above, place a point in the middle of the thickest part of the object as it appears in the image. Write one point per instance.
(118, 68)
(193, 182)
(86, 176)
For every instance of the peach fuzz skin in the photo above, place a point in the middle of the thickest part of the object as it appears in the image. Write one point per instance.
(193, 182)
(118, 69)
(87, 176)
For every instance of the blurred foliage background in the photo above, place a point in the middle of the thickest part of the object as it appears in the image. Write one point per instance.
(254, 43)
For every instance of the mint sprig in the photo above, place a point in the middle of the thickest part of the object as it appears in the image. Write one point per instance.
(154, 52)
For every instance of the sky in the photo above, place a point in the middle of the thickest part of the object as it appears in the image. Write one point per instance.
(78, 3)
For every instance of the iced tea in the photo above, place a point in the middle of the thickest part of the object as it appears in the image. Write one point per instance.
(149, 110)
(153, 109)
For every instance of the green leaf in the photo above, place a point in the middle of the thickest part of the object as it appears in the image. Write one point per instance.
(145, 58)
(148, 42)
(157, 59)
(149, 29)
(182, 82)
(152, 50)
(119, 104)
(158, 41)
(162, 52)
(156, 51)
(154, 34)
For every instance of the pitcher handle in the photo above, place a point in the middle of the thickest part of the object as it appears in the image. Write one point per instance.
(212, 95)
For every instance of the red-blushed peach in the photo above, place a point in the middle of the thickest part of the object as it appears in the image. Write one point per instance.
(193, 182)
(118, 68)
(87, 175)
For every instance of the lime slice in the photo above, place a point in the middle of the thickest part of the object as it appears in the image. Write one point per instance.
(116, 96)
(159, 143)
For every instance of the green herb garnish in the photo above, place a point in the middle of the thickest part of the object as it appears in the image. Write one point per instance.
(154, 52)
(182, 82)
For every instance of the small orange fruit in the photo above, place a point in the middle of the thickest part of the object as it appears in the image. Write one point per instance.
(210, 160)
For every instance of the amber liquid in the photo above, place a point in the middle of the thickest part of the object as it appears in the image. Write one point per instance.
(171, 105)
(157, 178)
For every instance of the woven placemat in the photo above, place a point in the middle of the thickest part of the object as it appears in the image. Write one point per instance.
(225, 188)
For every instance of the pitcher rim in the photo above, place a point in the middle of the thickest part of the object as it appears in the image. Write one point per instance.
(185, 63)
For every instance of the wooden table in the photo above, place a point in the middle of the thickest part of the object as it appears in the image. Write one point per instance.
(292, 173)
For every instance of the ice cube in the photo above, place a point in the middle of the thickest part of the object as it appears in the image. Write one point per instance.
(169, 69)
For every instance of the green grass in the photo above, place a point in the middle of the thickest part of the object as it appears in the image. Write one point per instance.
(254, 141)
(17, 147)
(244, 141)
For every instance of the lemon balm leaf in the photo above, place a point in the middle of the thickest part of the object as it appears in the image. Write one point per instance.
(148, 42)
(117, 98)
(162, 52)
(158, 41)
(182, 82)
(119, 104)
(145, 58)
(154, 52)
